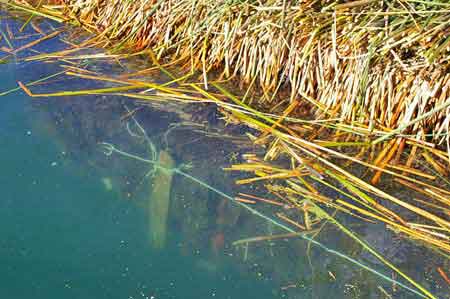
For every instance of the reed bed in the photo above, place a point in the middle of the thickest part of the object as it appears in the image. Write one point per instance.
(379, 63)
(373, 75)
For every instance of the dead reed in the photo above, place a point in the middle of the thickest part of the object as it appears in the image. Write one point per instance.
(383, 64)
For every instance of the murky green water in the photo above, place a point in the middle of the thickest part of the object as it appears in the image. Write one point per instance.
(74, 222)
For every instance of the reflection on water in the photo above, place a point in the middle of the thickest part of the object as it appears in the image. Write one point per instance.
(79, 221)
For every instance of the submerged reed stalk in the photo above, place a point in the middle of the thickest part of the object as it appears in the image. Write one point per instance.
(159, 200)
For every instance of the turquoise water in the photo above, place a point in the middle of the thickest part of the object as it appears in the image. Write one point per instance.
(74, 222)
(65, 236)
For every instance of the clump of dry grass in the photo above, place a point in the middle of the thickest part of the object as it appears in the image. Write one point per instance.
(379, 63)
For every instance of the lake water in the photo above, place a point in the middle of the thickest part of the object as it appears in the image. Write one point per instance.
(64, 235)
(74, 222)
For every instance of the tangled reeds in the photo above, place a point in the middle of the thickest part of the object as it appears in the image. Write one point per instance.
(374, 76)
(379, 63)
